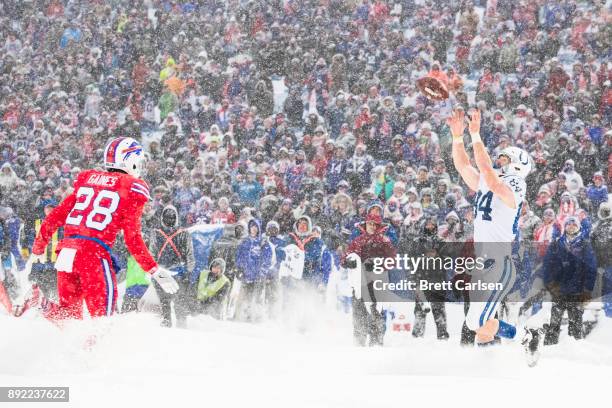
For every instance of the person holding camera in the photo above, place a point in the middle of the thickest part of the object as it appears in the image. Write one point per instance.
(370, 244)
(570, 270)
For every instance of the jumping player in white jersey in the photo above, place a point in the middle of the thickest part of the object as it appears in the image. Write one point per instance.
(500, 193)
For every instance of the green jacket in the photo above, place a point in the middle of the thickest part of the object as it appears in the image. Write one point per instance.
(135, 275)
(207, 289)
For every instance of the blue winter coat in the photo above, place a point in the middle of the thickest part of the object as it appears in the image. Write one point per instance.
(253, 255)
(329, 261)
(10, 230)
(249, 193)
(597, 195)
(277, 253)
(313, 252)
(571, 265)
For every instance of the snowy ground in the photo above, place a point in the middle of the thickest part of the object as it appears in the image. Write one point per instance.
(135, 362)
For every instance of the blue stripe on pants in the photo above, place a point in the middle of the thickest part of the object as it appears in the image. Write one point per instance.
(110, 293)
(481, 321)
(505, 285)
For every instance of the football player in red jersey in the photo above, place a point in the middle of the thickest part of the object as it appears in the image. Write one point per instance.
(102, 204)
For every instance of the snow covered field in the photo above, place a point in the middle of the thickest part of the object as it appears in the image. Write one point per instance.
(137, 363)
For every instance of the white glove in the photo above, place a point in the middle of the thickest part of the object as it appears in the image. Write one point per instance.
(165, 280)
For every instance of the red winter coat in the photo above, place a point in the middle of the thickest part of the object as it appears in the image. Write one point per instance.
(376, 245)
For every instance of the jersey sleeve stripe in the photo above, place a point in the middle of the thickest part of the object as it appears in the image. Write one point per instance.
(140, 191)
(141, 186)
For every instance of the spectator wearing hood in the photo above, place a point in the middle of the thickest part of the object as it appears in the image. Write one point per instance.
(371, 243)
(412, 221)
(8, 180)
(270, 275)
(567, 207)
(213, 289)
(253, 258)
(341, 216)
(573, 180)
(597, 192)
(428, 243)
(548, 231)
(570, 271)
(172, 248)
(451, 230)
(375, 208)
(312, 245)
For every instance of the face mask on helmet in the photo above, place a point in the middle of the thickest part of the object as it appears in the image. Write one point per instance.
(519, 162)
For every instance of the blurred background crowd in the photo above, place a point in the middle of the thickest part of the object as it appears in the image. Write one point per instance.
(278, 110)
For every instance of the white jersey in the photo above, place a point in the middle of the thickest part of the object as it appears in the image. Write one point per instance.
(494, 221)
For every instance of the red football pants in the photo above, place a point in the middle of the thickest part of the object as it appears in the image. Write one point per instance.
(92, 280)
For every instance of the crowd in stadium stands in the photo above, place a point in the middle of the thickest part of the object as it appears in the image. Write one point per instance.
(300, 120)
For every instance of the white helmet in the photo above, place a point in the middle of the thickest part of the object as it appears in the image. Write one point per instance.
(126, 154)
(520, 162)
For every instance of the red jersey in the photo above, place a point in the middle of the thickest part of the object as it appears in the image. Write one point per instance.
(102, 204)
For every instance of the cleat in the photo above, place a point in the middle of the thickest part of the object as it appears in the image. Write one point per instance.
(33, 299)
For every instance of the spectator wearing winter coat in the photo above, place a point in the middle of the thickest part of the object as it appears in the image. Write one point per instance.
(359, 168)
(213, 290)
(249, 191)
(384, 181)
(10, 237)
(429, 244)
(295, 174)
(569, 273)
(253, 257)
(573, 180)
(284, 217)
(341, 216)
(8, 180)
(375, 208)
(172, 248)
(227, 246)
(270, 275)
(597, 192)
(347, 139)
(336, 169)
(451, 230)
(223, 214)
(312, 245)
(601, 239)
(371, 243)
(545, 233)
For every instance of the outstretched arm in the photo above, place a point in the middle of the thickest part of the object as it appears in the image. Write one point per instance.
(485, 166)
(133, 238)
(456, 123)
